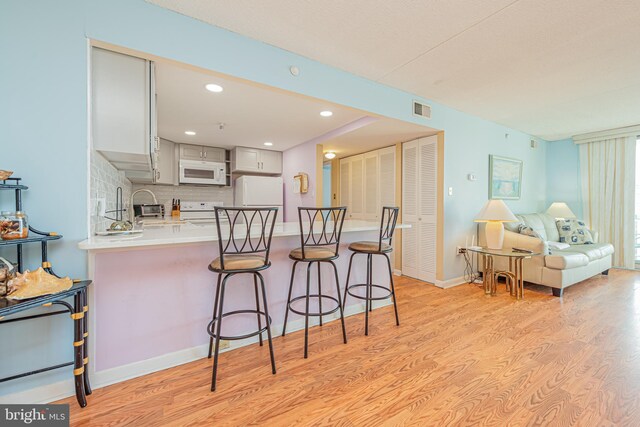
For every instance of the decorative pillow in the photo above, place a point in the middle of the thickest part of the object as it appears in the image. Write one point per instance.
(574, 232)
(528, 231)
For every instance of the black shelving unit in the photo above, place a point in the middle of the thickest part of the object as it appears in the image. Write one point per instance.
(77, 310)
(34, 234)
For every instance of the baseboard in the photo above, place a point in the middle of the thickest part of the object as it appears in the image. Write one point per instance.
(63, 389)
(446, 284)
(397, 272)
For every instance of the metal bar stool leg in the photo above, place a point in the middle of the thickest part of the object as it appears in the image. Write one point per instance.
(286, 313)
(266, 313)
(393, 290)
(213, 316)
(218, 331)
(370, 282)
(255, 286)
(368, 297)
(320, 293)
(346, 286)
(344, 330)
(306, 317)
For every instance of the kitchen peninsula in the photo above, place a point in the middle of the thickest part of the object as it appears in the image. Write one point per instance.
(153, 294)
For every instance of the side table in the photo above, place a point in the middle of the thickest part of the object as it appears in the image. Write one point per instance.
(514, 276)
(78, 312)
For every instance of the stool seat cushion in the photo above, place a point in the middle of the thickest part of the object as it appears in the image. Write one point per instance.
(313, 252)
(369, 247)
(239, 262)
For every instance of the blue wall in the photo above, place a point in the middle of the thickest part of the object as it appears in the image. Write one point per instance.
(563, 175)
(43, 54)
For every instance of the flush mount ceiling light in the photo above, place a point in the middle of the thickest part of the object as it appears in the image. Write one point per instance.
(268, 144)
(329, 155)
(213, 88)
(189, 132)
(326, 113)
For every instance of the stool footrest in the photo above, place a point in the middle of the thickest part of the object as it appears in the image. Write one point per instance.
(324, 313)
(364, 285)
(239, 337)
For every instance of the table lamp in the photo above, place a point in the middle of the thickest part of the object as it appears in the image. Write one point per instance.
(560, 210)
(494, 213)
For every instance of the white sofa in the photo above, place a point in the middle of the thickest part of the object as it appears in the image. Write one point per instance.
(556, 268)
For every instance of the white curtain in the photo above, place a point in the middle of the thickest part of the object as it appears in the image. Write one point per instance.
(607, 170)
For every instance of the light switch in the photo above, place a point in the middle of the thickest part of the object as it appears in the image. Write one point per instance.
(451, 191)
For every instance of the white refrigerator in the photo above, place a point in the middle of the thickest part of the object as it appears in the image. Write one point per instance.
(260, 191)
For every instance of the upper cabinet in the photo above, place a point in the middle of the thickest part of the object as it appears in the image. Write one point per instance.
(167, 170)
(256, 161)
(123, 111)
(198, 152)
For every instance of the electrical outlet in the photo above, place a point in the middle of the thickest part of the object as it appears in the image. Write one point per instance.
(101, 206)
(460, 250)
(224, 344)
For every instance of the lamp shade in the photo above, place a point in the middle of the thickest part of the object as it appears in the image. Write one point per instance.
(560, 210)
(495, 210)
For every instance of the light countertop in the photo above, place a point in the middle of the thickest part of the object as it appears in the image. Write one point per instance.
(167, 233)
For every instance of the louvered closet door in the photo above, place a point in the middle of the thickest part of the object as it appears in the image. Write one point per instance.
(427, 200)
(410, 208)
(386, 178)
(345, 184)
(371, 186)
(357, 187)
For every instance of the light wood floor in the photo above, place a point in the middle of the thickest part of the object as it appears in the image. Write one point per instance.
(458, 358)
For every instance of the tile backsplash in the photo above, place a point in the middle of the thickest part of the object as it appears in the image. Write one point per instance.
(105, 179)
(200, 193)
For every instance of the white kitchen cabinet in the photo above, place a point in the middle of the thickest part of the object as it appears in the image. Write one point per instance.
(190, 152)
(367, 183)
(213, 154)
(253, 160)
(419, 208)
(202, 153)
(167, 170)
(123, 109)
(270, 162)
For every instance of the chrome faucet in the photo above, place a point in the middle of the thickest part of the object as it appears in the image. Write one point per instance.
(132, 213)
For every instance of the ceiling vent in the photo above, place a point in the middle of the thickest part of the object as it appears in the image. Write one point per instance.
(421, 110)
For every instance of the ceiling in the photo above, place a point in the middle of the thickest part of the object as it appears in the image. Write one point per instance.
(381, 133)
(251, 114)
(546, 67)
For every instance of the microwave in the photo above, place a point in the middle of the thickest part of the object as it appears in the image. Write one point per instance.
(201, 172)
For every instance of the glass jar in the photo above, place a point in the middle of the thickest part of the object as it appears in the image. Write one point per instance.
(14, 225)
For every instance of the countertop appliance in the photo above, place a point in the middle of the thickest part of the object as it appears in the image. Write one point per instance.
(202, 172)
(149, 210)
(260, 191)
(198, 211)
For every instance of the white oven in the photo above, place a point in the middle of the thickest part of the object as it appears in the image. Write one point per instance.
(200, 172)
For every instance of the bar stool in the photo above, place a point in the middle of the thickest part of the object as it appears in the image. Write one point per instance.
(381, 247)
(244, 250)
(320, 239)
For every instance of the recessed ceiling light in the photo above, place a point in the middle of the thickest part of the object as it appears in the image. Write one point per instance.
(268, 144)
(189, 132)
(326, 113)
(213, 88)
(329, 155)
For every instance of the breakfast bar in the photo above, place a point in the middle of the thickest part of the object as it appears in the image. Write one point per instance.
(153, 293)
